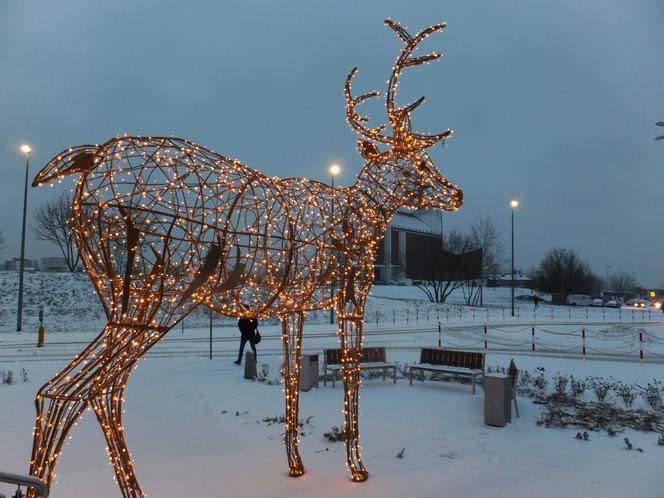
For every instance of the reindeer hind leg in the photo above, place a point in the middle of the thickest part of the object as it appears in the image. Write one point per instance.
(108, 408)
(57, 413)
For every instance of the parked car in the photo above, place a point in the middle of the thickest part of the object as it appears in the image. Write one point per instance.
(579, 300)
(597, 302)
(613, 304)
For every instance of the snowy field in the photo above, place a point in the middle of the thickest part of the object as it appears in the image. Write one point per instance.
(196, 427)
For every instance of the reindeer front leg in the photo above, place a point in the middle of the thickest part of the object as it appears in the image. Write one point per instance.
(291, 333)
(350, 311)
(350, 339)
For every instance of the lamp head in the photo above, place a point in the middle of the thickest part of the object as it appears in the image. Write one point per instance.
(26, 149)
(335, 169)
(514, 203)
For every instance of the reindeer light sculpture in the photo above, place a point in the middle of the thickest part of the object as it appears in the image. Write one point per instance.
(164, 225)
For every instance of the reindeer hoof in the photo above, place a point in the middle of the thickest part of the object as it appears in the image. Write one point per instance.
(296, 472)
(360, 476)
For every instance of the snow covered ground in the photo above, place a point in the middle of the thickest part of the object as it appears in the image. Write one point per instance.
(196, 427)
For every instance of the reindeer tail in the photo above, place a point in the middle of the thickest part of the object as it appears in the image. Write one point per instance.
(71, 161)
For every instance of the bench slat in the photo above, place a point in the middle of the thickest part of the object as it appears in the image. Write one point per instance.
(367, 355)
(451, 358)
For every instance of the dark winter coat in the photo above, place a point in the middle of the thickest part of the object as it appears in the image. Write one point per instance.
(247, 327)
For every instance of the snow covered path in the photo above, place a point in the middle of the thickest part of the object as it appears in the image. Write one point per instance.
(615, 341)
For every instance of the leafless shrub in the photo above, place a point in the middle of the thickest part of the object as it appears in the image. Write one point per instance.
(540, 381)
(577, 387)
(560, 383)
(600, 387)
(525, 378)
(7, 377)
(652, 394)
(335, 434)
(626, 392)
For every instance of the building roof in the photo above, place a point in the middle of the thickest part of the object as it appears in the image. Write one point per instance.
(410, 221)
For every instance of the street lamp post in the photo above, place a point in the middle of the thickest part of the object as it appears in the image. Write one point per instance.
(334, 171)
(19, 314)
(513, 204)
(608, 267)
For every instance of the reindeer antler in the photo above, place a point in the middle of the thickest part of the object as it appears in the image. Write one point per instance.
(399, 118)
(355, 120)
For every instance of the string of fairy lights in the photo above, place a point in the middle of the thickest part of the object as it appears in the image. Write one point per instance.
(164, 225)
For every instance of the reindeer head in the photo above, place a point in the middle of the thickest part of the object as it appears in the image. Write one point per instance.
(406, 157)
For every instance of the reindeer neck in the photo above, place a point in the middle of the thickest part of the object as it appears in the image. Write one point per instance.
(377, 195)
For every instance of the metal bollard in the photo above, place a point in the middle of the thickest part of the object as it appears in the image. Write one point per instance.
(40, 336)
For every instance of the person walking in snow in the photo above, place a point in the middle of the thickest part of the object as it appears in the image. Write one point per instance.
(536, 300)
(247, 328)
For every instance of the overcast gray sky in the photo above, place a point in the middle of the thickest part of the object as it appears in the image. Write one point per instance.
(553, 103)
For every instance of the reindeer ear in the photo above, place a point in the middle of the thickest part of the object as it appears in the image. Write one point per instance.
(368, 150)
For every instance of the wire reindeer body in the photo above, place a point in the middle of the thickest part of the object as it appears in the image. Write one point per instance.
(164, 225)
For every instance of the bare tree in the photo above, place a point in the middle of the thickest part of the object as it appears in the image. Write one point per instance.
(440, 271)
(623, 283)
(562, 272)
(52, 224)
(2, 239)
(484, 235)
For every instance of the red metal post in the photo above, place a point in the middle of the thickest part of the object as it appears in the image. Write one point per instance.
(583, 334)
(485, 339)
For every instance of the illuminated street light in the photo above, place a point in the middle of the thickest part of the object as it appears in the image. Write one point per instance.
(27, 150)
(513, 204)
(335, 169)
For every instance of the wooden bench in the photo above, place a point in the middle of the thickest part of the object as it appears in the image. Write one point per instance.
(372, 359)
(454, 362)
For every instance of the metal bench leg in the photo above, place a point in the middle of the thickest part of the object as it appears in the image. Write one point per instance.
(395, 374)
(384, 373)
(334, 377)
(324, 376)
(473, 384)
(516, 406)
(410, 375)
(421, 375)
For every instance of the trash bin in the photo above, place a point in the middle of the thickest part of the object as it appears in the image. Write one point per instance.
(250, 370)
(309, 372)
(497, 399)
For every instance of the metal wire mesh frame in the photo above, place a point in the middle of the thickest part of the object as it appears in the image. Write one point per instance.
(164, 225)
